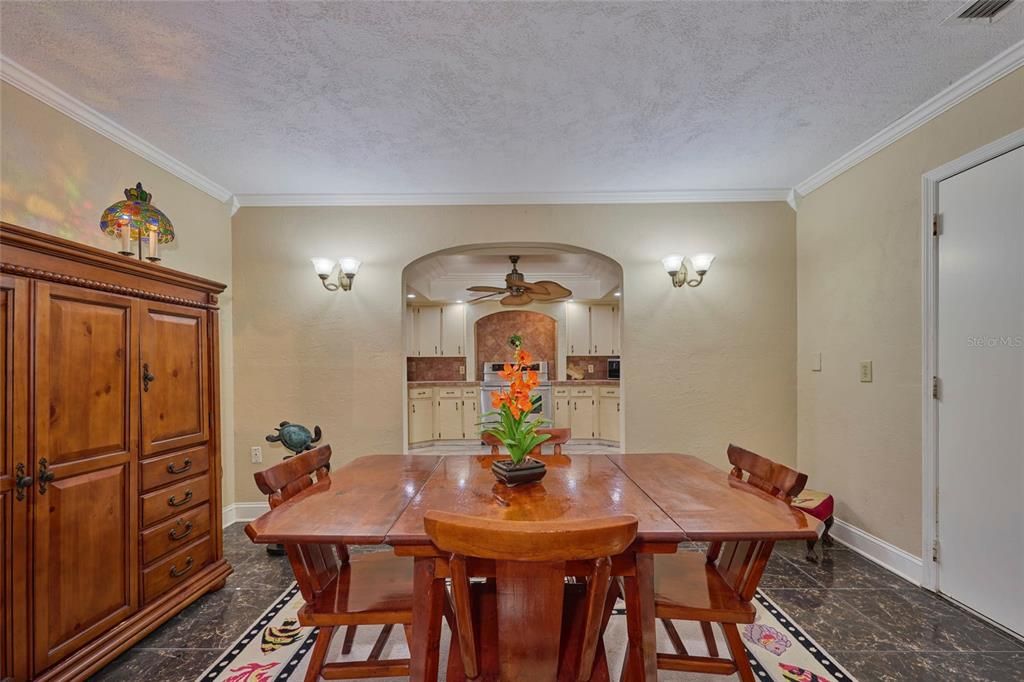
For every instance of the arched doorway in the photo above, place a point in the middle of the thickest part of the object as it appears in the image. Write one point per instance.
(451, 339)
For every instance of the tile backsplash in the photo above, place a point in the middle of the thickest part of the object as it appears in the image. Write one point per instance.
(581, 363)
(436, 369)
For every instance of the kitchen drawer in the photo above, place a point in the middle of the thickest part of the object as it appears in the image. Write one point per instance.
(176, 569)
(175, 533)
(168, 502)
(449, 393)
(175, 467)
(583, 391)
(561, 391)
(421, 393)
(608, 391)
(471, 393)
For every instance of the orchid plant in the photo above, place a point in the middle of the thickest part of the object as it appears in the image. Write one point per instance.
(515, 405)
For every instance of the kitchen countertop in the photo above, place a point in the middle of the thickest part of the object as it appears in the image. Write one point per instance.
(425, 384)
(586, 382)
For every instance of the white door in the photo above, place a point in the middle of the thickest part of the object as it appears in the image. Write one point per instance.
(981, 373)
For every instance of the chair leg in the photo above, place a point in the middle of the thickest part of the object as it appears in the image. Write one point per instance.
(738, 651)
(382, 639)
(709, 639)
(673, 636)
(350, 636)
(812, 554)
(316, 659)
(826, 537)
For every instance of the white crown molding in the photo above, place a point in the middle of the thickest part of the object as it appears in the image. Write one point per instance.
(986, 74)
(48, 93)
(640, 197)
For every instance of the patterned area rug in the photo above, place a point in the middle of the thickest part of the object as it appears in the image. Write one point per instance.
(275, 648)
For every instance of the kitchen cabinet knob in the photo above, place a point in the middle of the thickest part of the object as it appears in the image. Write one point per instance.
(147, 377)
(21, 482)
(45, 475)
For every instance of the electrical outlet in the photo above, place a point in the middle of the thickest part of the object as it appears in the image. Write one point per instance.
(865, 372)
(590, 369)
(462, 370)
(256, 455)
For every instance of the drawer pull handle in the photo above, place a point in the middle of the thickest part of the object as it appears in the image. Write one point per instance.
(185, 466)
(174, 502)
(175, 535)
(175, 573)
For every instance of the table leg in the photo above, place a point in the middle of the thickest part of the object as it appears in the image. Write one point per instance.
(425, 647)
(641, 661)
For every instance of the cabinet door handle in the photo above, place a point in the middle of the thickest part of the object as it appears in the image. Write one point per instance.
(175, 535)
(147, 377)
(185, 466)
(414, 408)
(175, 573)
(45, 475)
(21, 481)
(175, 502)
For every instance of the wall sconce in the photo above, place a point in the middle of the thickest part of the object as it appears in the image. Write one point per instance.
(675, 266)
(347, 269)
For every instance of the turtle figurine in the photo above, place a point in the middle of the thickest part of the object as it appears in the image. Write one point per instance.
(295, 437)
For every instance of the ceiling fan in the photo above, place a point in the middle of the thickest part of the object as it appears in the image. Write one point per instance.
(521, 292)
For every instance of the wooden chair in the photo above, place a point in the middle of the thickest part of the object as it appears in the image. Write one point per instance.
(339, 589)
(528, 563)
(719, 586)
(559, 437)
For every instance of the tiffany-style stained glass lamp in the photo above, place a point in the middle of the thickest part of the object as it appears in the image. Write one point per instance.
(135, 219)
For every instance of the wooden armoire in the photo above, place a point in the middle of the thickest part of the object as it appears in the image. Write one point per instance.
(110, 512)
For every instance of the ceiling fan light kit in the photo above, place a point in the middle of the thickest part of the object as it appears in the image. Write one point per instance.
(520, 292)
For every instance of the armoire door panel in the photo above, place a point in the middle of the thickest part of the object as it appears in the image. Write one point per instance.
(175, 377)
(83, 374)
(85, 524)
(85, 578)
(14, 465)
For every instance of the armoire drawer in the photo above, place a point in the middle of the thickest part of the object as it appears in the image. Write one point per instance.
(176, 569)
(167, 502)
(174, 467)
(175, 533)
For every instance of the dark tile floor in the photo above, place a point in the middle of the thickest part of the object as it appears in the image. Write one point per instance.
(876, 624)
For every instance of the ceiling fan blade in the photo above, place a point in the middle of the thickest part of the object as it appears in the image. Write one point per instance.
(485, 296)
(533, 287)
(496, 290)
(516, 299)
(554, 290)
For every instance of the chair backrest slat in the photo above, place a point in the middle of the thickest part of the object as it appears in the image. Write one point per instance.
(559, 437)
(530, 566)
(767, 475)
(315, 566)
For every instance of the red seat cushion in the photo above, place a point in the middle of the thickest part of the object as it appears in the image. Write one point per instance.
(817, 503)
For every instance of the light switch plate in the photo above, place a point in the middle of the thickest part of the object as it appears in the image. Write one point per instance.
(256, 455)
(816, 362)
(590, 368)
(462, 370)
(866, 372)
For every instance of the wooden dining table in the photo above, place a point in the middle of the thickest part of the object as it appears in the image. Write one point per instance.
(381, 499)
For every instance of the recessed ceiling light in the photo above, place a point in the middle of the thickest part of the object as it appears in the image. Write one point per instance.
(570, 300)
(617, 293)
(459, 301)
(410, 295)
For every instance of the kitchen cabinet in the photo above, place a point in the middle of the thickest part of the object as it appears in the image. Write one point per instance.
(421, 415)
(603, 328)
(591, 329)
(448, 415)
(584, 413)
(470, 413)
(427, 330)
(609, 413)
(577, 328)
(562, 408)
(453, 329)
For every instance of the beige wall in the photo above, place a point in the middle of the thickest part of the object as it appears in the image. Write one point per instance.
(57, 176)
(859, 262)
(702, 367)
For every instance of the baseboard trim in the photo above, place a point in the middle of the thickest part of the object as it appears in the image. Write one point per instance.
(888, 556)
(243, 511)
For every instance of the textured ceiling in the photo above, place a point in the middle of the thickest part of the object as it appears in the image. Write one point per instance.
(394, 97)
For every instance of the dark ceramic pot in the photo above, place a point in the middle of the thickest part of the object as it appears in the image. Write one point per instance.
(529, 470)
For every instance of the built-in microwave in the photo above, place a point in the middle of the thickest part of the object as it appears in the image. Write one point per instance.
(614, 368)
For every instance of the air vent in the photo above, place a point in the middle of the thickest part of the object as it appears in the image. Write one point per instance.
(983, 9)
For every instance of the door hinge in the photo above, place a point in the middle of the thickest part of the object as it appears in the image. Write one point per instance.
(935, 550)
(936, 388)
(936, 225)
